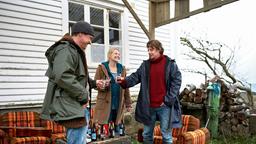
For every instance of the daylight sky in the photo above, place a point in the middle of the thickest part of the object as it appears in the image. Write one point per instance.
(234, 25)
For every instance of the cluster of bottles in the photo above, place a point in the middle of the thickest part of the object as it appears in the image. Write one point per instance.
(97, 132)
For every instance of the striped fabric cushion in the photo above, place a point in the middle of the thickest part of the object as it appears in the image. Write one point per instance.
(159, 140)
(189, 123)
(199, 136)
(56, 128)
(58, 136)
(31, 140)
(20, 119)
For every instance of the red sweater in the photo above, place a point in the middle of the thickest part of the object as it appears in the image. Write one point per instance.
(157, 85)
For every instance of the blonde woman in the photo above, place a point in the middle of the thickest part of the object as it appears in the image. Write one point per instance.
(111, 100)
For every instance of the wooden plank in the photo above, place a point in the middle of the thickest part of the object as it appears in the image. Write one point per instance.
(40, 6)
(13, 53)
(116, 140)
(31, 29)
(25, 41)
(11, 86)
(210, 2)
(17, 99)
(23, 66)
(204, 9)
(23, 47)
(31, 10)
(22, 79)
(22, 59)
(20, 72)
(31, 17)
(54, 3)
(181, 7)
(162, 11)
(27, 22)
(28, 35)
(8, 92)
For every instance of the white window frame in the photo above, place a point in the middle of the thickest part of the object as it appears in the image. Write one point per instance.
(106, 6)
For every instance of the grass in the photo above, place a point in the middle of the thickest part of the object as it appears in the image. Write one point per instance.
(234, 140)
(225, 140)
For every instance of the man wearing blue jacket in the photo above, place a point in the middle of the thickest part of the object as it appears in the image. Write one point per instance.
(160, 81)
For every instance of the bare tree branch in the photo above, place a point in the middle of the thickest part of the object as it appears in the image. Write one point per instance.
(219, 64)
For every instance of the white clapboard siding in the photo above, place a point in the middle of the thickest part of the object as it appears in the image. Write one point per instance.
(27, 22)
(11, 86)
(46, 5)
(22, 41)
(24, 60)
(31, 29)
(18, 53)
(138, 39)
(21, 72)
(27, 29)
(24, 47)
(24, 99)
(28, 35)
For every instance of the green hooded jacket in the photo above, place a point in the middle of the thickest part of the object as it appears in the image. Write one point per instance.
(68, 78)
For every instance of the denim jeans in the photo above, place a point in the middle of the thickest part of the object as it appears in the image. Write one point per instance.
(78, 135)
(163, 115)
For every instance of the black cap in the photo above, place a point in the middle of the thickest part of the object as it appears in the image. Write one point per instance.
(82, 27)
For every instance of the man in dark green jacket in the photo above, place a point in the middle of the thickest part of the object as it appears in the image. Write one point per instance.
(69, 84)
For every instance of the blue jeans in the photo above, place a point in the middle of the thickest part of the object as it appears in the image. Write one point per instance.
(78, 135)
(163, 114)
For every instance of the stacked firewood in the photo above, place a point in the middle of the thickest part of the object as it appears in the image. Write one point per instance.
(191, 94)
(234, 110)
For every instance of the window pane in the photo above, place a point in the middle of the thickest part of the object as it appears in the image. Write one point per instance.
(96, 16)
(69, 27)
(114, 19)
(114, 37)
(99, 35)
(98, 53)
(76, 12)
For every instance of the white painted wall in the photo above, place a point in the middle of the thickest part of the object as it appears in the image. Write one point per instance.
(29, 27)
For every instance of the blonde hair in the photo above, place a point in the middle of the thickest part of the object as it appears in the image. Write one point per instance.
(111, 50)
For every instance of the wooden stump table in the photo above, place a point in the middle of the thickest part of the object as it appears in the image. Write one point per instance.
(116, 140)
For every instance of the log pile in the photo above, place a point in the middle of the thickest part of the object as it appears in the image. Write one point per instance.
(234, 110)
(193, 96)
(233, 118)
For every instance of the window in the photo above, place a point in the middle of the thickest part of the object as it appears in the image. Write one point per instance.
(107, 27)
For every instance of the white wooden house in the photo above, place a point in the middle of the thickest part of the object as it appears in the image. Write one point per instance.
(29, 27)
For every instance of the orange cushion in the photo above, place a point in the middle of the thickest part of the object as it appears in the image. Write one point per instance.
(31, 140)
(189, 123)
(199, 136)
(20, 119)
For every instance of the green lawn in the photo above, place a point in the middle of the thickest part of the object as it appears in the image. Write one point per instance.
(224, 140)
(234, 140)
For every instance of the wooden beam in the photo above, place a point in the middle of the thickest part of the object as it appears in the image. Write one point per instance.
(210, 2)
(204, 9)
(159, 1)
(158, 12)
(152, 19)
(136, 18)
(181, 7)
